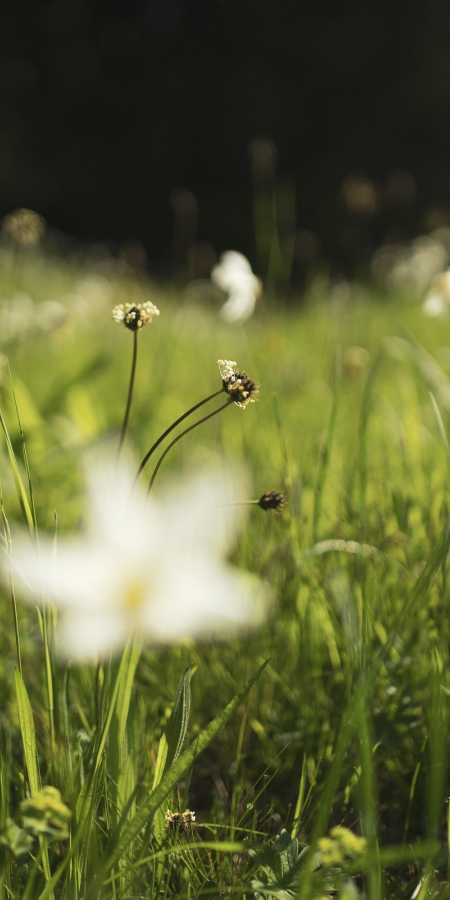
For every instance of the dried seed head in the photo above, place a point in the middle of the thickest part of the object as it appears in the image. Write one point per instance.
(179, 821)
(273, 500)
(239, 387)
(135, 315)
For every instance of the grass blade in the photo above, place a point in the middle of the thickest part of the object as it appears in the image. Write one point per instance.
(28, 733)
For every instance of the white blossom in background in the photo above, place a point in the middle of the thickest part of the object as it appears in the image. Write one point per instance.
(21, 316)
(156, 569)
(234, 275)
(437, 298)
(411, 267)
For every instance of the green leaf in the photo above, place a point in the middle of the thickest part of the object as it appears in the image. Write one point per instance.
(16, 839)
(28, 733)
(21, 492)
(126, 675)
(25, 454)
(170, 748)
(175, 734)
(29, 746)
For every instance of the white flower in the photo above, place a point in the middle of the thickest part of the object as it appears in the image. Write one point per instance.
(437, 299)
(234, 276)
(154, 568)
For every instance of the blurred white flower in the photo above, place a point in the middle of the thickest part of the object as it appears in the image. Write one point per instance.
(21, 316)
(156, 569)
(411, 267)
(437, 298)
(234, 275)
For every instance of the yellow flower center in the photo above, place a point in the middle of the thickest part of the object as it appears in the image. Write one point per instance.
(134, 595)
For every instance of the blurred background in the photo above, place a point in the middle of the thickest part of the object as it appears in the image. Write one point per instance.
(305, 135)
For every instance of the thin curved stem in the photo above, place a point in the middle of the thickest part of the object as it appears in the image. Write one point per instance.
(178, 438)
(130, 394)
(169, 429)
(238, 503)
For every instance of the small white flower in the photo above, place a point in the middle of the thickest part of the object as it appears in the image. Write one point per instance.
(437, 299)
(156, 569)
(234, 275)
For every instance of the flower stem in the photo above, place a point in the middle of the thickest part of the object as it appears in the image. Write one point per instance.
(130, 393)
(169, 429)
(178, 438)
(238, 503)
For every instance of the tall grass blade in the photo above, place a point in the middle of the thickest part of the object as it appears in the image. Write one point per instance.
(28, 733)
(175, 734)
(24, 452)
(328, 444)
(21, 492)
(30, 752)
(366, 409)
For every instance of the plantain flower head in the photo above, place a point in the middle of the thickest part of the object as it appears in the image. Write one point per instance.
(135, 315)
(273, 500)
(240, 388)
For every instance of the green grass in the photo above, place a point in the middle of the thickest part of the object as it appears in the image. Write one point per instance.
(348, 723)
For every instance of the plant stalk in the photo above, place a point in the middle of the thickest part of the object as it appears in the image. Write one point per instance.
(178, 438)
(130, 393)
(169, 429)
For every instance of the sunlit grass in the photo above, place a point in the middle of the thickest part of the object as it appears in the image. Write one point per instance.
(348, 724)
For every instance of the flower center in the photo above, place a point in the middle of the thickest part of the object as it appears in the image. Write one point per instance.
(134, 595)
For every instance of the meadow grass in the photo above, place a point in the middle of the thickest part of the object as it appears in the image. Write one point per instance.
(348, 723)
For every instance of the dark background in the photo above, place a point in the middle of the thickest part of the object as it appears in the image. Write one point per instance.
(108, 108)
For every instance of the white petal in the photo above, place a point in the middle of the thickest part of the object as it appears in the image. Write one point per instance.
(204, 600)
(200, 516)
(238, 308)
(121, 518)
(83, 638)
(434, 306)
(77, 575)
(234, 272)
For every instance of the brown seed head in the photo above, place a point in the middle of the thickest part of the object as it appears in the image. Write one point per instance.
(239, 387)
(273, 500)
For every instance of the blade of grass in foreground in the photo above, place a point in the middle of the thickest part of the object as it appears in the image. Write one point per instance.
(328, 795)
(435, 561)
(30, 753)
(24, 452)
(28, 733)
(21, 492)
(167, 783)
(169, 750)
(328, 444)
(366, 409)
